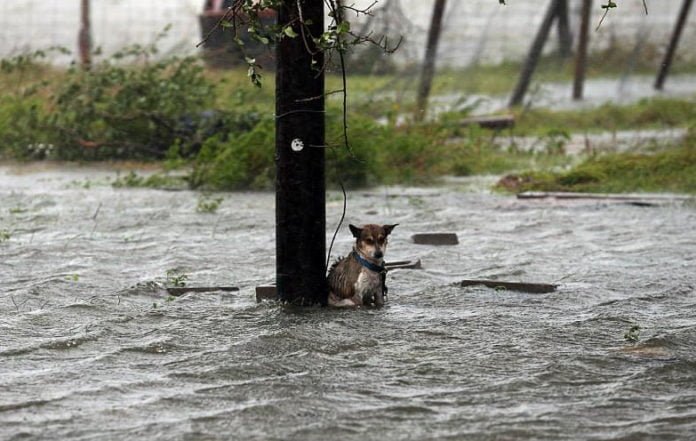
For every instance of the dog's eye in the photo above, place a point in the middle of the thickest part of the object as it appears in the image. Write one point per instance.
(369, 241)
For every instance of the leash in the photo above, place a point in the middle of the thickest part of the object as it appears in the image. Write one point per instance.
(379, 269)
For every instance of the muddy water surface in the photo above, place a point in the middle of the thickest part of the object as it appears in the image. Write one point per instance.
(91, 347)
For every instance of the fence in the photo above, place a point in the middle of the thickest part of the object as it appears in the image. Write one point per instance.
(475, 31)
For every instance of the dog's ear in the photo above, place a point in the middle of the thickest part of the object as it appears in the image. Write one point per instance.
(355, 230)
(388, 228)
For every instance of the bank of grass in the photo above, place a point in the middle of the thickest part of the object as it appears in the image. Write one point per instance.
(669, 170)
(377, 154)
(156, 112)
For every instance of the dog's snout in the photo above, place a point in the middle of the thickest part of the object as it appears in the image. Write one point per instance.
(379, 254)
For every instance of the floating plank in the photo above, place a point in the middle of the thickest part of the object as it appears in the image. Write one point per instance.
(181, 290)
(628, 197)
(493, 122)
(435, 239)
(404, 264)
(534, 288)
(266, 292)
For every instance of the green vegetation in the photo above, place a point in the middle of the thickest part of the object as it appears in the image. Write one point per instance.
(207, 204)
(176, 278)
(647, 113)
(212, 130)
(672, 169)
(633, 334)
(155, 180)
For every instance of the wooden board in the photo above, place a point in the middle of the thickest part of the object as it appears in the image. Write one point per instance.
(266, 292)
(534, 288)
(629, 197)
(404, 264)
(181, 290)
(438, 239)
(494, 122)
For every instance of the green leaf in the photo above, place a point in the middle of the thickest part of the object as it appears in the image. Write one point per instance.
(289, 31)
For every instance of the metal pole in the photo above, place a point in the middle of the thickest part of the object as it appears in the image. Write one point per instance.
(581, 57)
(300, 182)
(534, 54)
(673, 43)
(428, 69)
(84, 38)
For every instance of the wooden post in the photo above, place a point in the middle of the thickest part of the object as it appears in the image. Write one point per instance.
(673, 43)
(84, 38)
(300, 182)
(565, 37)
(428, 69)
(534, 54)
(581, 56)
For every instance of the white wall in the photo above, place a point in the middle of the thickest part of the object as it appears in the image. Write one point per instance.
(37, 24)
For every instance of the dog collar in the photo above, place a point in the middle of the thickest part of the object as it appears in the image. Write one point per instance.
(367, 264)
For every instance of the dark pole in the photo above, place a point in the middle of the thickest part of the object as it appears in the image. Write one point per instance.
(565, 37)
(84, 38)
(428, 69)
(534, 53)
(673, 43)
(581, 56)
(300, 186)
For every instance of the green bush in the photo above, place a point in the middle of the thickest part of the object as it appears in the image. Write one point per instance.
(242, 160)
(23, 132)
(112, 111)
(376, 154)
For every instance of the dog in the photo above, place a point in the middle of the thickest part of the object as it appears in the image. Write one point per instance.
(359, 278)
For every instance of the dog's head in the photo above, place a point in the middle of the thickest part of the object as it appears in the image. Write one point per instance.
(371, 240)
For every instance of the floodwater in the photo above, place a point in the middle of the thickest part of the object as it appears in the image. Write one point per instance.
(90, 347)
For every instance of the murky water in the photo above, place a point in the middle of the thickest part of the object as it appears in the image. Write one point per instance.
(87, 354)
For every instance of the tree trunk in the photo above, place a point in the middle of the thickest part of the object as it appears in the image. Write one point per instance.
(565, 37)
(581, 56)
(428, 69)
(84, 39)
(673, 43)
(534, 54)
(300, 184)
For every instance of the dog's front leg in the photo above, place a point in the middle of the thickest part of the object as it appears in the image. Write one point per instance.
(351, 302)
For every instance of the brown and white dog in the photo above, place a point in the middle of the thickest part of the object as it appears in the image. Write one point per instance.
(359, 278)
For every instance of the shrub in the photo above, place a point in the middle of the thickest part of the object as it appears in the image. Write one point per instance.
(111, 111)
(240, 160)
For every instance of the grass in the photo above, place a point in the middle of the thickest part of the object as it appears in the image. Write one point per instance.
(655, 113)
(670, 170)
